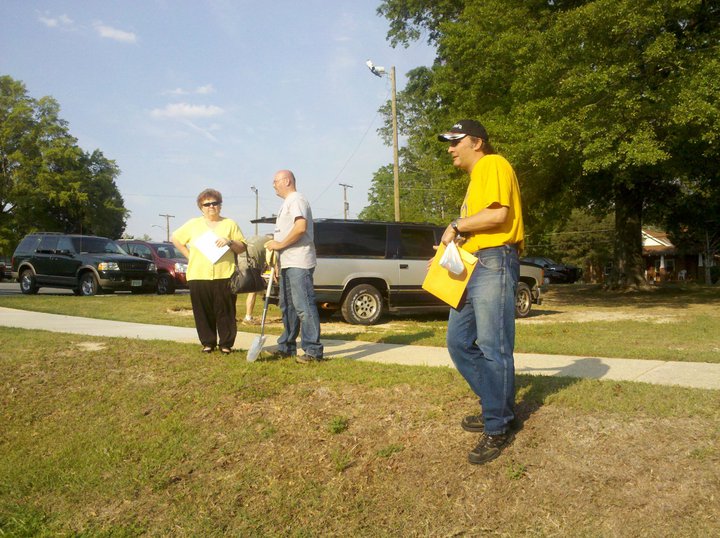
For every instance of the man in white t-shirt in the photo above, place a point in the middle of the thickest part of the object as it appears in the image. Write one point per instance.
(295, 248)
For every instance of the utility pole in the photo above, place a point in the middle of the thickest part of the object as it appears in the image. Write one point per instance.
(345, 202)
(167, 225)
(254, 189)
(396, 165)
(379, 71)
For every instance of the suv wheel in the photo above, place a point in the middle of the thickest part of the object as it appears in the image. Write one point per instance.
(27, 282)
(523, 300)
(165, 284)
(363, 305)
(89, 285)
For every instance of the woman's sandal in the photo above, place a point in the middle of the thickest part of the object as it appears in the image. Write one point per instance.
(225, 350)
(207, 349)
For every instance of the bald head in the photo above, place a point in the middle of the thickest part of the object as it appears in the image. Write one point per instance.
(284, 183)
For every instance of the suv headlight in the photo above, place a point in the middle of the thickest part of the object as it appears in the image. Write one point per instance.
(108, 266)
(181, 267)
(152, 268)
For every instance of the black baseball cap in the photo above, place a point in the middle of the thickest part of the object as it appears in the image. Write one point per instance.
(464, 128)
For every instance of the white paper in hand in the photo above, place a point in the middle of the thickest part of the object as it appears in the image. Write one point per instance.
(206, 244)
(451, 259)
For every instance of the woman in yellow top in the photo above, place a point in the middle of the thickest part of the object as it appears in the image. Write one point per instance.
(210, 243)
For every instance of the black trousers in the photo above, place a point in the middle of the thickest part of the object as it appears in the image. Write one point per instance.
(214, 310)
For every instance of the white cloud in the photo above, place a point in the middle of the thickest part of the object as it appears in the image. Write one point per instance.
(204, 90)
(201, 90)
(115, 34)
(63, 21)
(176, 91)
(186, 111)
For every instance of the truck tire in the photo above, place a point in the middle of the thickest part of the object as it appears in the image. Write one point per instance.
(363, 305)
(165, 284)
(28, 286)
(89, 285)
(523, 300)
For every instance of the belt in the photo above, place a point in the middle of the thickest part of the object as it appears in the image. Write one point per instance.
(515, 246)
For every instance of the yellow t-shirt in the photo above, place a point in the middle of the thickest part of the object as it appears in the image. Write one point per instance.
(493, 180)
(199, 266)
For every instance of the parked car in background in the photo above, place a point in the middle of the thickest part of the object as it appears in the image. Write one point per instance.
(171, 264)
(365, 269)
(5, 268)
(86, 264)
(556, 273)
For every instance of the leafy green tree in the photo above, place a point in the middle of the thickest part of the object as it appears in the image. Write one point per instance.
(584, 239)
(47, 182)
(605, 104)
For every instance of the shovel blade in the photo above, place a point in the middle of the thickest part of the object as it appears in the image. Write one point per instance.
(255, 348)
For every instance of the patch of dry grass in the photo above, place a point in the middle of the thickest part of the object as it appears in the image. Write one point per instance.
(129, 437)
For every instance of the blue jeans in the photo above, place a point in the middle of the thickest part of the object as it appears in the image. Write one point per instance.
(299, 313)
(481, 335)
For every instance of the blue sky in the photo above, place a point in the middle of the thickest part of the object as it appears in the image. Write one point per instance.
(190, 94)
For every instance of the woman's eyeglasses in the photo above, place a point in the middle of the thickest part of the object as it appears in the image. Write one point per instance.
(211, 204)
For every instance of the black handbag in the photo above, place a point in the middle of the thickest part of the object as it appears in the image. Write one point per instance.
(247, 279)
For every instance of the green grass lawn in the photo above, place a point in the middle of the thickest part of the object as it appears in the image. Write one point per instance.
(123, 437)
(680, 323)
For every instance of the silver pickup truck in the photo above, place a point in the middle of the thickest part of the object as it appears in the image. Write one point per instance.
(367, 268)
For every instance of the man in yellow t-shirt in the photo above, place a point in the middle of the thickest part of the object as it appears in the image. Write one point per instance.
(481, 331)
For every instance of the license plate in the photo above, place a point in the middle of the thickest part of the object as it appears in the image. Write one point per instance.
(136, 283)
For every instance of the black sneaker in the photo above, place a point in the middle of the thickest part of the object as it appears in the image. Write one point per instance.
(473, 423)
(490, 447)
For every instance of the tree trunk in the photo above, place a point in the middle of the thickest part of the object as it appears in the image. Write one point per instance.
(628, 269)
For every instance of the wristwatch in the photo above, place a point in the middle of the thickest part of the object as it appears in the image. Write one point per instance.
(454, 225)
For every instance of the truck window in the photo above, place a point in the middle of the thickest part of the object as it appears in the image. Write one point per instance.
(337, 239)
(28, 244)
(417, 243)
(48, 244)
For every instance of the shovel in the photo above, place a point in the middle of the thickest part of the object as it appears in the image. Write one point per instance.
(257, 344)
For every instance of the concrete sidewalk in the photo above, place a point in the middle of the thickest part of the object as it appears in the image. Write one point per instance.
(685, 374)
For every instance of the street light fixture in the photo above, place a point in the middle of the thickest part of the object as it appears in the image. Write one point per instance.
(158, 226)
(379, 71)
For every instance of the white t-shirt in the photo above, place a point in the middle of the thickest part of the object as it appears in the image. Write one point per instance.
(301, 253)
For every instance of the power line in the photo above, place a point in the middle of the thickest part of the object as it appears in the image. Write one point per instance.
(362, 139)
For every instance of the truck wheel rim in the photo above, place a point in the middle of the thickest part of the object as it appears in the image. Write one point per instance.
(365, 306)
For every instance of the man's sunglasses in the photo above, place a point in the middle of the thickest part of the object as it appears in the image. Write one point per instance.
(211, 204)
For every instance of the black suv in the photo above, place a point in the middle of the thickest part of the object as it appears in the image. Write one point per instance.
(556, 273)
(84, 263)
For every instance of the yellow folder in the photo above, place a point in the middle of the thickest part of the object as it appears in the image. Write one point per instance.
(445, 285)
